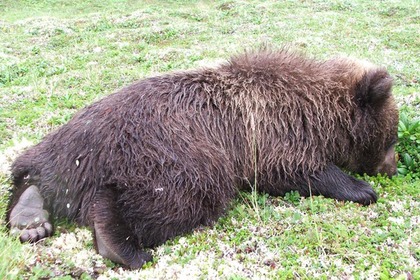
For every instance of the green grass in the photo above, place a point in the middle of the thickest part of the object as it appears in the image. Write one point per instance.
(57, 56)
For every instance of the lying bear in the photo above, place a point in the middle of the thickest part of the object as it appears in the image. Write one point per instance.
(169, 153)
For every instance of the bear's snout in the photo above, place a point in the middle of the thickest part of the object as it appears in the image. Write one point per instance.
(389, 165)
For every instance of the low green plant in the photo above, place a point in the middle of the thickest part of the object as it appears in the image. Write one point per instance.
(292, 197)
(12, 256)
(409, 144)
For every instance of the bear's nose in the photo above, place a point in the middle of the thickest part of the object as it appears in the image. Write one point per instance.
(389, 165)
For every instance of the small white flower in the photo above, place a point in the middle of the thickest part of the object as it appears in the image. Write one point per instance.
(397, 220)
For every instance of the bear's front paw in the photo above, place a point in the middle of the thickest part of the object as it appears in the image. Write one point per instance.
(361, 192)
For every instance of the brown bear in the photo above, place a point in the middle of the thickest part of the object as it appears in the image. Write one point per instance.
(169, 153)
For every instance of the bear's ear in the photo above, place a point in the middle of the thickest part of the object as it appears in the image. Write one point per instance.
(374, 88)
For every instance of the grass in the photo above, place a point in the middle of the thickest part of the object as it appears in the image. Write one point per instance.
(56, 57)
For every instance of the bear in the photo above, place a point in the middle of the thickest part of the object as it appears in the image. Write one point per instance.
(169, 153)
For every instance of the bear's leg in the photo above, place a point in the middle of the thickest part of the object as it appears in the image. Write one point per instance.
(113, 238)
(334, 183)
(28, 218)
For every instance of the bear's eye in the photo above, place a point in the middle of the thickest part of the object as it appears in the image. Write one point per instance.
(393, 142)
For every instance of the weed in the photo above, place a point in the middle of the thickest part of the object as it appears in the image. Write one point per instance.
(409, 145)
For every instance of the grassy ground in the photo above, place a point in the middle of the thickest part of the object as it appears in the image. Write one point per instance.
(56, 56)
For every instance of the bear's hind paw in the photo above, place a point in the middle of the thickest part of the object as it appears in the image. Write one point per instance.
(28, 219)
(32, 235)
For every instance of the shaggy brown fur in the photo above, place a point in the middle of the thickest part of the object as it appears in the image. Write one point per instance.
(168, 153)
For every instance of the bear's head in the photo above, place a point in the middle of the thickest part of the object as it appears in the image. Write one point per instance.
(376, 125)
